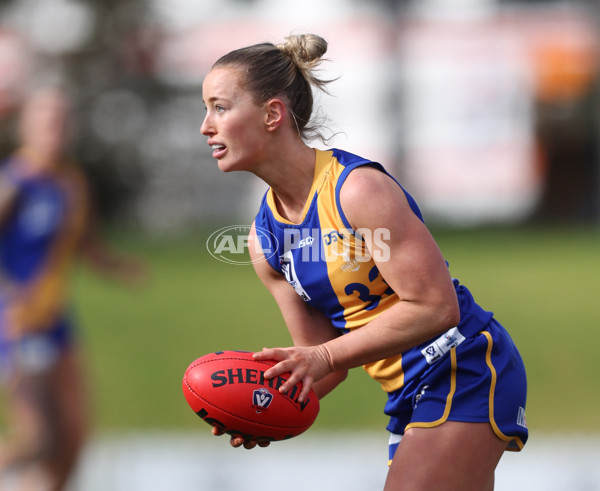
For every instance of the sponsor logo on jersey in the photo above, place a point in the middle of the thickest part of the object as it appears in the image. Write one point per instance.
(334, 236)
(286, 262)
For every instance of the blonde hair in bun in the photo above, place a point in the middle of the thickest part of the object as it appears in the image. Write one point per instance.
(287, 70)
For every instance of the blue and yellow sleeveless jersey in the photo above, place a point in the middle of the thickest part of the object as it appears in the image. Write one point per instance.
(328, 266)
(37, 244)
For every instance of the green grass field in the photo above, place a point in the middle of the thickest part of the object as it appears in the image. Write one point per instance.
(543, 285)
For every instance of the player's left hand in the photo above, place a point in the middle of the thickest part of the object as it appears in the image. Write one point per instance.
(306, 364)
(238, 441)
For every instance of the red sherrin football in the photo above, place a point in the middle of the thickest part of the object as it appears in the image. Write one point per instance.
(228, 390)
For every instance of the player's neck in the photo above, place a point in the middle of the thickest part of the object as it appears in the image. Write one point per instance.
(39, 160)
(291, 183)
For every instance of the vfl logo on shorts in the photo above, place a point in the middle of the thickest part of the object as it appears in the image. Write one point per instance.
(450, 339)
(261, 399)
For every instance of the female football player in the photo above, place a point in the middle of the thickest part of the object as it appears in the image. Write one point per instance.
(359, 279)
(45, 221)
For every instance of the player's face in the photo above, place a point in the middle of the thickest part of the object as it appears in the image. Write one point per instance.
(44, 125)
(234, 122)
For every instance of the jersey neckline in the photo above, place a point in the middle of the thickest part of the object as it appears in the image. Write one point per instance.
(322, 164)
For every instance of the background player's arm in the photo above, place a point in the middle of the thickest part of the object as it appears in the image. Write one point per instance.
(101, 256)
(307, 326)
(97, 252)
(8, 193)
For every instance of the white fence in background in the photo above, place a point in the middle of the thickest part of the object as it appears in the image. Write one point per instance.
(320, 462)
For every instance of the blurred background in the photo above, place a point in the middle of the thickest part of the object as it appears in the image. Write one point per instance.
(488, 112)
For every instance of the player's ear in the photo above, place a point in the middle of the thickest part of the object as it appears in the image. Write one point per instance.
(275, 114)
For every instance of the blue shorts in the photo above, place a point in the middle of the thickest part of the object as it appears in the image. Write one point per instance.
(481, 380)
(35, 352)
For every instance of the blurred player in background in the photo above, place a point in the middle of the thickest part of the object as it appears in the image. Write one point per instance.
(45, 221)
(360, 280)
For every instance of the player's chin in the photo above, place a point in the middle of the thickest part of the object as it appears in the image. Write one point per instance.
(228, 164)
(234, 163)
(223, 167)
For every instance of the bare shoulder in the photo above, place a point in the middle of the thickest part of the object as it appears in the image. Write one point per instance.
(369, 193)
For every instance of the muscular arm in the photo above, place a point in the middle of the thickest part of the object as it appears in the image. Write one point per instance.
(411, 264)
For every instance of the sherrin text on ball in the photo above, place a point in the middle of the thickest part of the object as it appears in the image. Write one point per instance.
(228, 389)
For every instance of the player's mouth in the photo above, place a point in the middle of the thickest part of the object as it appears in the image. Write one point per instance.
(218, 150)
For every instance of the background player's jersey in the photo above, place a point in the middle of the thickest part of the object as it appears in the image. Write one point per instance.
(326, 262)
(37, 242)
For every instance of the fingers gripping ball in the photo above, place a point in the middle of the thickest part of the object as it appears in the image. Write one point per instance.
(228, 390)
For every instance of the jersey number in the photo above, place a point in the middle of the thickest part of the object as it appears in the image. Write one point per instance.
(365, 294)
